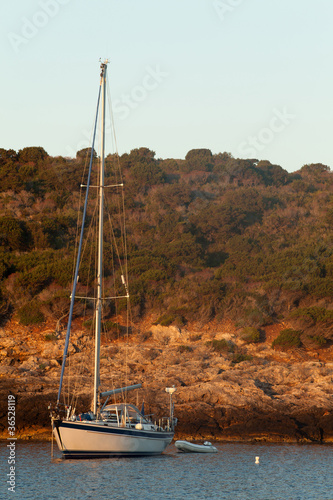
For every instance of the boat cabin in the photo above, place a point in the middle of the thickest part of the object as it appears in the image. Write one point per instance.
(125, 415)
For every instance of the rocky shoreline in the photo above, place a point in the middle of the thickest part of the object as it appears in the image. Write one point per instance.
(269, 396)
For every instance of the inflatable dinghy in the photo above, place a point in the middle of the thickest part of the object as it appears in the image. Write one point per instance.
(188, 447)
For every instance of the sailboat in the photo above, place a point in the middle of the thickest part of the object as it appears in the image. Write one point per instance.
(116, 429)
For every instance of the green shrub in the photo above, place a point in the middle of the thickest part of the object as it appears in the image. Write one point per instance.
(239, 357)
(30, 314)
(87, 323)
(251, 335)
(13, 234)
(107, 326)
(165, 320)
(319, 340)
(49, 337)
(34, 280)
(256, 316)
(220, 345)
(315, 314)
(5, 306)
(110, 326)
(288, 338)
(62, 271)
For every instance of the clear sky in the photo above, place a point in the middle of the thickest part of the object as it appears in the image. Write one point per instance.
(250, 77)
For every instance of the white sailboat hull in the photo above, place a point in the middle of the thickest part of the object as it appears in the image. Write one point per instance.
(94, 440)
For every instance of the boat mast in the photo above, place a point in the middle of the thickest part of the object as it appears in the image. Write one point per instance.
(100, 244)
(76, 274)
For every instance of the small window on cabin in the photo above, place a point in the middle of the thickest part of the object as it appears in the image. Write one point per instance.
(109, 415)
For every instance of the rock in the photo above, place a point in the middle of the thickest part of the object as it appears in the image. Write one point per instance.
(54, 362)
(166, 334)
(3, 333)
(56, 349)
(7, 370)
(275, 396)
(30, 364)
(231, 337)
(9, 342)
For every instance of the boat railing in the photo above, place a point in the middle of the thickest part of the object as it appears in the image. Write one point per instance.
(166, 424)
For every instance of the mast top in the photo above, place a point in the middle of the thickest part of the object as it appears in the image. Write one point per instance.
(103, 66)
(104, 63)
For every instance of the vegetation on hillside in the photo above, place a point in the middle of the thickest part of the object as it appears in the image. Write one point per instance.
(209, 237)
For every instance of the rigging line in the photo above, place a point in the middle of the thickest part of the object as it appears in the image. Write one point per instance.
(116, 249)
(79, 255)
(71, 373)
(86, 164)
(76, 233)
(92, 227)
(127, 340)
(124, 240)
(81, 370)
(112, 237)
(122, 213)
(87, 156)
(110, 374)
(67, 396)
(83, 251)
(115, 246)
(121, 247)
(117, 169)
(111, 115)
(86, 249)
(89, 250)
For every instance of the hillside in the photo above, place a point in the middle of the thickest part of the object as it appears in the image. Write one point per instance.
(234, 255)
(208, 236)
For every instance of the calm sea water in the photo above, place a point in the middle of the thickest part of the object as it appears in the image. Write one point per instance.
(286, 472)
